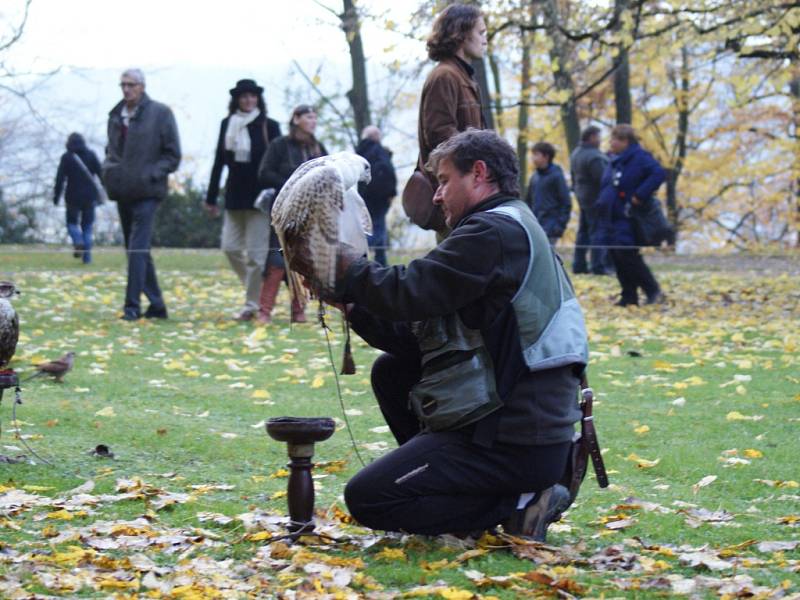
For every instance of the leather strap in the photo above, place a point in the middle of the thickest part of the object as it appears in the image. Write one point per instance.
(589, 434)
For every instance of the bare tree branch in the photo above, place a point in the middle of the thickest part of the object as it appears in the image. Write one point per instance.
(15, 37)
(324, 97)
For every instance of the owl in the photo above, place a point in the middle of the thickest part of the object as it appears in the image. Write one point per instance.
(317, 213)
(9, 323)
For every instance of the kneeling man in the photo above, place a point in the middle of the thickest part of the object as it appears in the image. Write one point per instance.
(484, 345)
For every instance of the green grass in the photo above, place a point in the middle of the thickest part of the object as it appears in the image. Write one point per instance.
(188, 396)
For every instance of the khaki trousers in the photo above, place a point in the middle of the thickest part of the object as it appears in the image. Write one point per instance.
(245, 241)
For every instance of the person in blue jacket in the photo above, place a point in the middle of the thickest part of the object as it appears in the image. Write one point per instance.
(631, 178)
(77, 167)
(548, 193)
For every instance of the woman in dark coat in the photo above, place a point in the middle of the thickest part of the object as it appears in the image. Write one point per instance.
(631, 178)
(283, 156)
(243, 139)
(77, 168)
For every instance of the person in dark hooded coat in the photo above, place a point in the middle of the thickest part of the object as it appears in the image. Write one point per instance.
(77, 168)
(378, 193)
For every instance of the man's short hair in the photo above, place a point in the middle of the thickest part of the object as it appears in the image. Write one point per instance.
(545, 148)
(136, 74)
(589, 132)
(371, 132)
(450, 29)
(625, 132)
(467, 147)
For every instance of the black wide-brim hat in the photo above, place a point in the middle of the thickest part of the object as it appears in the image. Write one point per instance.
(246, 85)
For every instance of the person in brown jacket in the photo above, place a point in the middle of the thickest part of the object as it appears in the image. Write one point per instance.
(451, 99)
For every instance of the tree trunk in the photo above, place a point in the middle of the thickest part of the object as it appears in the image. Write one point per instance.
(794, 87)
(682, 102)
(498, 92)
(483, 84)
(358, 94)
(622, 76)
(559, 56)
(522, 116)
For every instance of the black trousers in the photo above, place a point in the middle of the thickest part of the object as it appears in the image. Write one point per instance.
(137, 218)
(587, 232)
(633, 273)
(442, 482)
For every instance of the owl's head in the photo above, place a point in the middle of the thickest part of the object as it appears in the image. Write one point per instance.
(8, 289)
(353, 167)
(365, 172)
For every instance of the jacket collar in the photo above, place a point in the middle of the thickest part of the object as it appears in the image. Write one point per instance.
(546, 170)
(117, 110)
(486, 204)
(626, 154)
(466, 66)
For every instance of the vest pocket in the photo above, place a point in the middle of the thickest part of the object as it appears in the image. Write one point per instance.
(455, 392)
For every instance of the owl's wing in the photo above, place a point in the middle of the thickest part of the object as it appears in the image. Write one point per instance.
(300, 172)
(307, 221)
(9, 333)
(366, 220)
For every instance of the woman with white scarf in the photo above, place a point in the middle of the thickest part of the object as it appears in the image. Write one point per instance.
(243, 139)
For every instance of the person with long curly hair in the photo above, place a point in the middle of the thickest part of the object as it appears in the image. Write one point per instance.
(451, 99)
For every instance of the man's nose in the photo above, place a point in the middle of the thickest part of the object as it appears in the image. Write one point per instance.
(437, 196)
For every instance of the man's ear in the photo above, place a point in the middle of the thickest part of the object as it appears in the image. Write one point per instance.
(480, 171)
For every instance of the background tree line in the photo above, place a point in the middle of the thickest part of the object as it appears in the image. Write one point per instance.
(713, 87)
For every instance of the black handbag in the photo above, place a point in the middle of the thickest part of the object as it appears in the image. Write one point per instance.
(650, 225)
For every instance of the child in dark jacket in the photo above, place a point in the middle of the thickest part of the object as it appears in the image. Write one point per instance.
(548, 194)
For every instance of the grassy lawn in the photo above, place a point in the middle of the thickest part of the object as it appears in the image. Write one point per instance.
(698, 416)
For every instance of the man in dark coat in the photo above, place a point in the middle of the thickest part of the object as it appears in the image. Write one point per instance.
(378, 193)
(548, 194)
(631, 178)
(143, 149)
(77, 168)
(484, 342)
(587, 164)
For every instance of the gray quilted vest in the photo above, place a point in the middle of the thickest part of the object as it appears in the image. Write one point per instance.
(458, 381)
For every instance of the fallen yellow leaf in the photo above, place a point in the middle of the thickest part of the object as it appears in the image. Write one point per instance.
(643, 463)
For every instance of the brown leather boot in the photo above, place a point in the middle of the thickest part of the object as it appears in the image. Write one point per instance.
(298, 312)
(269, 291)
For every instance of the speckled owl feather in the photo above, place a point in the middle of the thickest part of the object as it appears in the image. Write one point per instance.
(9, 324)
(317, 210)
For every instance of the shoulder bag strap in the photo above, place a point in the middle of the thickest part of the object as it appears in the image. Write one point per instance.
(83, 166)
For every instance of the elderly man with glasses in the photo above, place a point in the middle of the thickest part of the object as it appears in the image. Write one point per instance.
(143, 149)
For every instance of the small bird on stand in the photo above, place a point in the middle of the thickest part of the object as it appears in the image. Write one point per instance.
(55, 368)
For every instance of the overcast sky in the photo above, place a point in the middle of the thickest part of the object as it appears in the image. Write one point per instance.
(191, 52)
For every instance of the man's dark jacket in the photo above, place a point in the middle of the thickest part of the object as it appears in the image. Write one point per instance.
(548, 197)
(475, 271)
(587, 164)
(81, 191)
(383, 185)
(634, 172)
(139, 160)
(242, 185)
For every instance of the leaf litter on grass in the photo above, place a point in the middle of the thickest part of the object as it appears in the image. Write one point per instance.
(671, 371)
